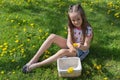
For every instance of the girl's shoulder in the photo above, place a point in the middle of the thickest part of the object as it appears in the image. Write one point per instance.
(89, 31)
(89, 28)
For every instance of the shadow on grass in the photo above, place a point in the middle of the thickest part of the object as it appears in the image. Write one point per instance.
(99, 55)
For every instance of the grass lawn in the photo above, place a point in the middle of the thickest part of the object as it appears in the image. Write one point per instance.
(25, 24)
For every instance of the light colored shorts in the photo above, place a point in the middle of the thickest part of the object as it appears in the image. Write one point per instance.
(82, 54)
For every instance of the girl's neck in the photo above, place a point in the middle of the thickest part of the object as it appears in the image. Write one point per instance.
(78, 28)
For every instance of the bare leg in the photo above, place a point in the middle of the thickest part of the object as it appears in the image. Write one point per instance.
(60, 53)
(51, 39)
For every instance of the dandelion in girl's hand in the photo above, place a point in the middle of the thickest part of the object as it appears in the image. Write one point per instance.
(75, 45)
(70, 70)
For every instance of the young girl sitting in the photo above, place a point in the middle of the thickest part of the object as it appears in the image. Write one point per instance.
(77, 42)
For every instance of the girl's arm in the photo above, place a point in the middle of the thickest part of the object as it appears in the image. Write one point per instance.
(69, 39)
(86, 44)
(69, 42)
(87, 41)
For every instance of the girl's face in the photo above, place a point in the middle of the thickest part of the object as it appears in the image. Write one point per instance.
(76, 19)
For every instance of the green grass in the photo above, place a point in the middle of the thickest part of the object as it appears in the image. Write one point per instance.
(25, 24)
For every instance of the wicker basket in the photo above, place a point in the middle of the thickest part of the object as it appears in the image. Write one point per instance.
(63, 64)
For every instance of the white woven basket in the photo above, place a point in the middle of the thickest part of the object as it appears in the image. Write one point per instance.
(64, 63)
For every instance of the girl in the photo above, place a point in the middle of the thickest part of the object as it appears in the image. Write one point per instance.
(79, 32)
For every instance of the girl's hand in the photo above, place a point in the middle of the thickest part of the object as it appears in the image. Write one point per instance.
(72, 50)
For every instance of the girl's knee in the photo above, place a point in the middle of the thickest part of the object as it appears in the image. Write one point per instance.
(63, 52)
(52, 37)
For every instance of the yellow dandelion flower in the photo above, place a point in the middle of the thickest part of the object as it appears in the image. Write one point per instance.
(46, 56)
(13, 60)
(105, 78)
(4, 49)
(33, 46)
(28, 40)
(5, 44)
(1, 46)
(46, 34)
(116, 15)
(11, 54)
(98, 67)
(2, 72)
(40, 30)
(22, 50)
(32, 24)
(70, 70)
(18, 23)
(94, 65)
(37, 3)
(28, 1)
(110, 4)
(91, 10)
(17, 41)
(75, 45)
(24, 29)
(13, 72)
(16, 36)
(12, 21)
(47, 52)
(1, 54)
(24, 21)
(21, 45)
